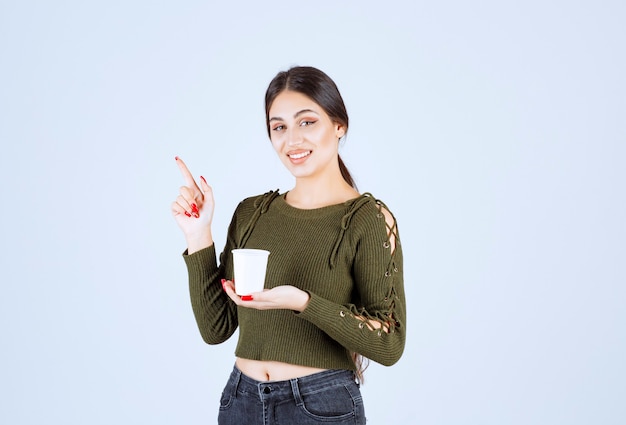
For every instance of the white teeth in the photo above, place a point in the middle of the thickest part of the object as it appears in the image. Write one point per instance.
(300, 155)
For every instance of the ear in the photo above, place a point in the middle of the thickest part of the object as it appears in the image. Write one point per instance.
(340, 130)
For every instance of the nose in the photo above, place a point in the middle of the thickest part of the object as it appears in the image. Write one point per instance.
(293, 137)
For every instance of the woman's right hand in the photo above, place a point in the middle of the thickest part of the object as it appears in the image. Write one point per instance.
(193, 210)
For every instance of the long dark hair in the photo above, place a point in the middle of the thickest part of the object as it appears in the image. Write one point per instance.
(320, 88)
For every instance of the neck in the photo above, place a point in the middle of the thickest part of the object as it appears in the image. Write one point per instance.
(320, 192)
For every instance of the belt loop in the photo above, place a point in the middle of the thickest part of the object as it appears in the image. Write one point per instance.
(296, 392)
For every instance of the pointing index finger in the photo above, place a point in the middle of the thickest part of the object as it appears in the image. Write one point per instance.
(189, 180)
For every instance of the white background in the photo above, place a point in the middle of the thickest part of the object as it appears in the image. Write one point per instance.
(494, 130)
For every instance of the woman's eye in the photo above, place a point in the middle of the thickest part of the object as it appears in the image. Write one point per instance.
(279, 128)
(306, 123)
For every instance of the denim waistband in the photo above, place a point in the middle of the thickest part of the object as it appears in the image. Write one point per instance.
(289, 388)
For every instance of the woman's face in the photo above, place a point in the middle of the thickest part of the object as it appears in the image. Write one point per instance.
(303, 135)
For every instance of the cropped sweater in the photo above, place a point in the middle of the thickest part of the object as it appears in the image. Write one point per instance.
(340, 255)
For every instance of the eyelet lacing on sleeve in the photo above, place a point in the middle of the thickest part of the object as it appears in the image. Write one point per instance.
(384, 317)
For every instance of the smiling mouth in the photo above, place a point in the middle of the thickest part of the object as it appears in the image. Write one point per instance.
(299, 155)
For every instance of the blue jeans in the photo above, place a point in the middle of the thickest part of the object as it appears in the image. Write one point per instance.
(329, 397)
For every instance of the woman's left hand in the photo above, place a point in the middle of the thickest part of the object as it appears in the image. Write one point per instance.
(285, 297)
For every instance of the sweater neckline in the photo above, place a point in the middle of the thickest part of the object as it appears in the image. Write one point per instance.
(283, 206)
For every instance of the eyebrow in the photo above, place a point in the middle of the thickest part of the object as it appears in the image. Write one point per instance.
(296, 115)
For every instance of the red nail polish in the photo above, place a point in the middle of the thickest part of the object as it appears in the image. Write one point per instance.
(187, 214)
(246, 298)
(194, 208)
(176, 158)
(203, 179)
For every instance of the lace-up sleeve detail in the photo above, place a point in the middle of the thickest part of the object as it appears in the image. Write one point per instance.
(261, 205)
(345, 223)
(374, 323)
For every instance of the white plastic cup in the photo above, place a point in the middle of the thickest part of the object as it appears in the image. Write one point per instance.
(250, 266)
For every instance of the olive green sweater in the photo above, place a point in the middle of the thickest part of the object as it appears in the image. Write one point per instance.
(339, 254)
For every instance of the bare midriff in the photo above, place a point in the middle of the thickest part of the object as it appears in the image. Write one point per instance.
(273, 371)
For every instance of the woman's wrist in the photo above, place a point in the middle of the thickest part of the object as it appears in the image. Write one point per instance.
(198, 242)
(303, 301)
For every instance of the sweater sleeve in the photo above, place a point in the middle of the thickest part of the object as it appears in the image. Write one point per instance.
(214, 311)
(378, 277)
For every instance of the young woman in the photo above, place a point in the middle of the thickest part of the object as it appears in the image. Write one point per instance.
(334, 289)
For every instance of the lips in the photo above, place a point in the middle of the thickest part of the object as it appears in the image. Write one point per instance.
(299, 155)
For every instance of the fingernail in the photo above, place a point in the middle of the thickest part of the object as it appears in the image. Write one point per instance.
(224, 284)
(246, 298)
(187, 214)
(194, 208)
(203, 179)
(176, 158)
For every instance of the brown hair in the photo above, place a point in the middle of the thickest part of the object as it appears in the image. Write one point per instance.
(320, 88)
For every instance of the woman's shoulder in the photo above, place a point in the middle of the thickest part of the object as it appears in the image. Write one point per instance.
(368, 203)
(370, 210)
(248, 212)
(254, 202)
